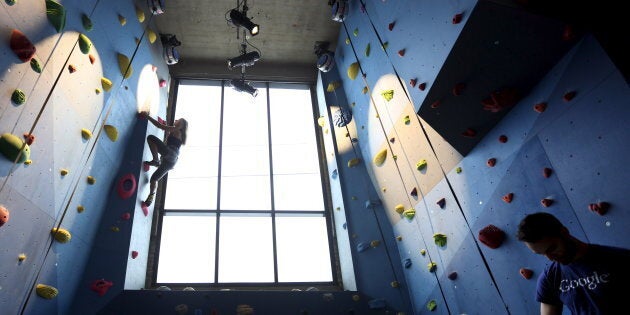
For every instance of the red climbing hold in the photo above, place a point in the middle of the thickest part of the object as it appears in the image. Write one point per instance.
(457, 18)
(436, 104)
(540, 107)
(145, 208)
(414, 192)
(568, 33)
(392, 140)
(92, 58)
(72, 69)
(491, 236)
(469, 133)
(413, 82)
(546, 202)
(491, 162)
(391, 25)
(452, 275)
(101, 286)
(600, 208)
(29, 138)
(126, 186)
(126, 216)
(458, 89)
(134, 254)
(162, 83)
(569, 96)
(547, 172)
(508, 197)
(401, 53)
(503, 138)
(526, 273)
(500, 100)
(22, 46)
(441, 203)
(422, 86)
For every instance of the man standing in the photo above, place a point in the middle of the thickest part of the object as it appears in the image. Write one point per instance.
(587, 278)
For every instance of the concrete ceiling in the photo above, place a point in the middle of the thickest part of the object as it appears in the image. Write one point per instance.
(288, 32)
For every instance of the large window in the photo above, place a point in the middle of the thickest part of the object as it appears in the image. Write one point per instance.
(245, 204)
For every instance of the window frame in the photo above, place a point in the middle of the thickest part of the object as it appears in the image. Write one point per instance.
(160, 212)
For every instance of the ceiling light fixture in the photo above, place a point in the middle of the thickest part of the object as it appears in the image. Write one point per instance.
(239, 18)
(170, 53)
(245, 60)
(325, 57)
(241, 85)
(156, 6)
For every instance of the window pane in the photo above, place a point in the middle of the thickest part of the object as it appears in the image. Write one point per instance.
(245, 193)
(303, 253)
(187, 249)
(245, 249)
(191, 193)
(298, 192)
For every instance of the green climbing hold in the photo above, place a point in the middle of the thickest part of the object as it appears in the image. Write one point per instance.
(384, 46)
(388, 95)
(56, 15)
(347, 41)
(36, 66)
(18, 97)
(85, 44)
(423, 252)
(11, 148)
(421, 165)
(10, 2)
(356, 32)
(458, 170)
(87, 23)
(353, 70)
(409, 213)
(407, 120)
(432, 266)
(440, 239)
(431, 305)
(367, 50)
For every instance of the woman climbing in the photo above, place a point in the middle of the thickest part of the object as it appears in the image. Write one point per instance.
(169, 151)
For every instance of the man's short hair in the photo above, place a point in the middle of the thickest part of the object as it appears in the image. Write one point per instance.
(537, 226)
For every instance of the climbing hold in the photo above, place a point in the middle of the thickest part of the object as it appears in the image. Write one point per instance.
(500, 100)
(122, 20)
(469, 133)
(491, 162)
(347, 41)
(14, 148)
(152, 36)
(364, 90)
(46, 291)
(356, 297)
(407, 263)
(399, 209)
(101, 286)
(399, 238)
(431, 305)
(394, 284)
(342, 117)
(145, 208)
(125, 66)
(526, 273)
(546, 202)
(436, 104)
(18, 97)
(64, 172)
(61, 235)
(333, 86)
(367, 50)
(391, 25)
(56, 15)
(126, 186)
(353, 70)
(600, 208)
(97, 91)
(409, 213)
(335, 173)
(92, 58)
(35, 65)
(422, 164)
(432, 266)
(354, 162)
(407, 120)
(503, 138)
(80, 209)
(125, 216)
(115, 229)
(458, 170)
(22, 46)
(414, 192)
(441, 203)
(85, 44)
(422, 86)
(181, 309)
(385, 45)
(4, 215)
(361, 247)
(111, 132)
(458, 89)
(86, 134)
(439, 239)
(568, 33)
(380, 157)
(388, 95)
(457, 18)
(375, 243)
(508, 197)
(162, 83)
(491, 236)
(392, 140)
(10, 2)
(21, 257)
(569, 96)
(28, 162)
(452, 275)
(547, 172)
(140, 15)
(423, 252)
(134, 254)
(355, 32)
(72, 68)
(401, 52)
(540, 107)
(413, 82)
(87, 23)
(106, 83)
(321, 121)
(91, 180)
(376, 304)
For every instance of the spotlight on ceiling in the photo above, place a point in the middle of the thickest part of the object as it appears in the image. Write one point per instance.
(325, 57)
(170, 54)
(241, 86)
(339, 9)
(239, 19)
(156, 6)
(247, 59)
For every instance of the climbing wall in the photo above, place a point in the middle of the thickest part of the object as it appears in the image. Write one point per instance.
(81, 66)
(551, 150)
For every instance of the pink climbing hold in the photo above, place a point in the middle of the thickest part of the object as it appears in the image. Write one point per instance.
(134, 254)
(145, 208)
(600, 208)
(413, 82)
(29, 138)
(126, 216)
(491, 162)
(4, 215)
(162, 83)
(101, 286)
(546, 202)
(161, 121)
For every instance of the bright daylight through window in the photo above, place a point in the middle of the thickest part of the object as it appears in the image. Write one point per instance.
(245, 202)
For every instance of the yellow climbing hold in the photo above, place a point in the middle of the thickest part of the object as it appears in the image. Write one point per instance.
(22, 257)
(115, 229)
(106, 83)
(321, 121)
(353, 70)
(439, 239)
(458, 170)
(28, 162)
(61, 235)
(86, 134)
(140, 14)
(356, 297)
(111, 132)
(125, 66)
(97, 91)
(365, 90)
(431, 266)
(399, 238)
(380, 157)
(91, 180)
(407, 120)
(347, 41)
(423, 252)
(152, 36)
(80, 209)
(400, 209)
(85, 44)
(409, 213)
(333, 86)
(375, 243)
(122, 20)
(64, 172)
(354, 162)
(394, 284)
(388, 95)
(46, 291)
(421, 165)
